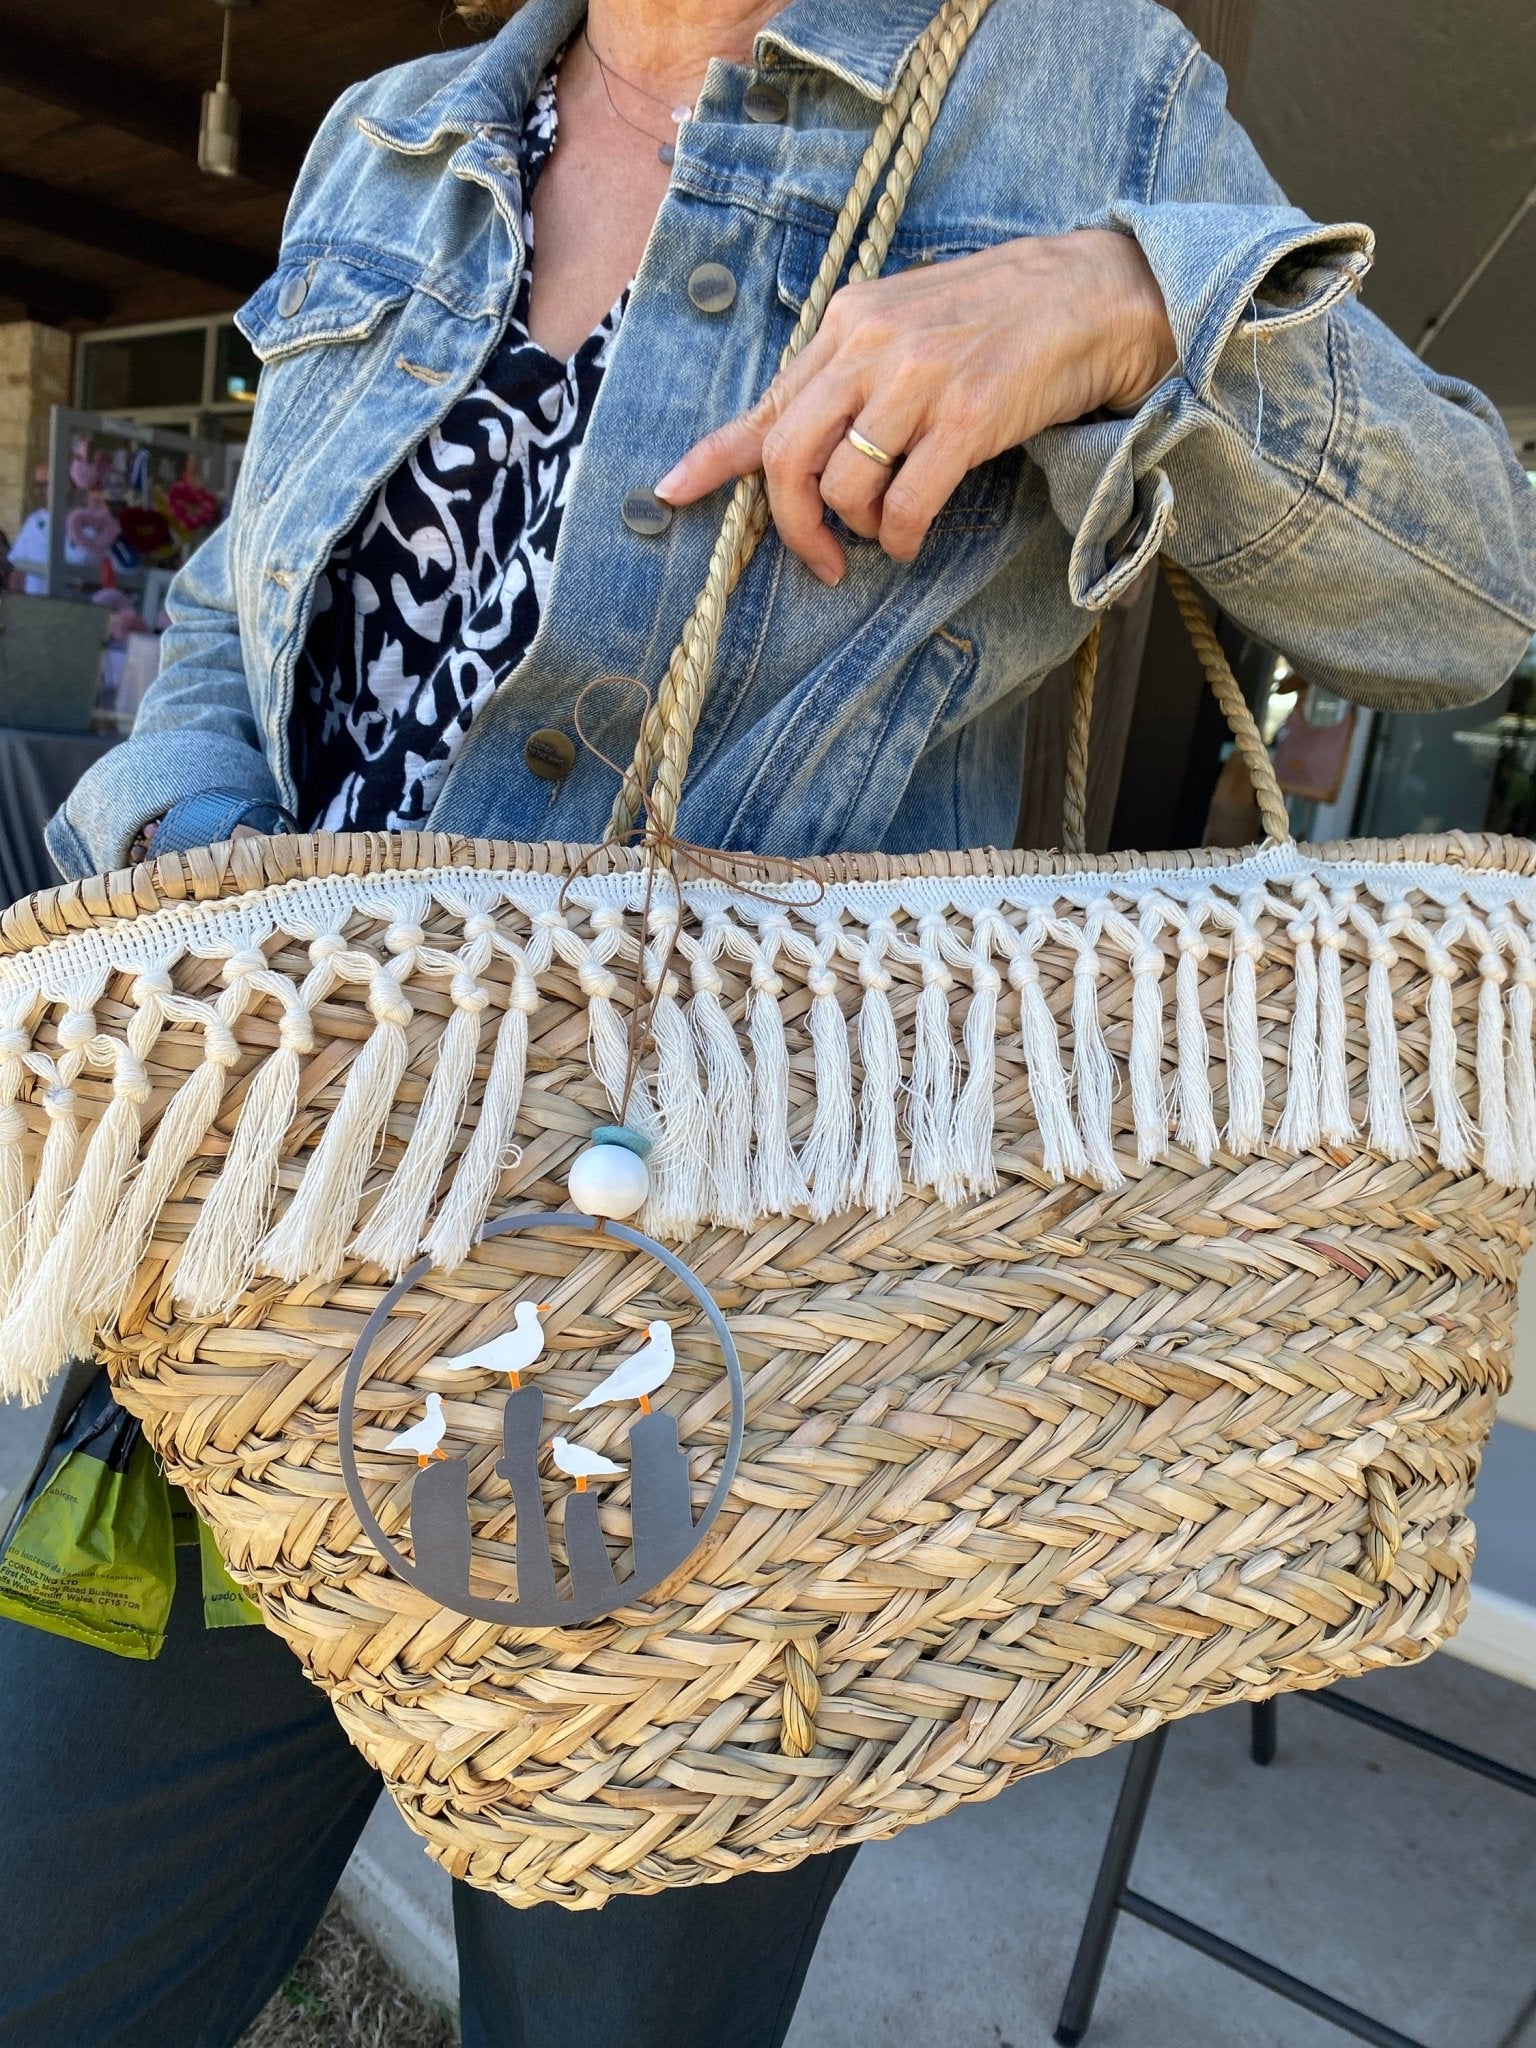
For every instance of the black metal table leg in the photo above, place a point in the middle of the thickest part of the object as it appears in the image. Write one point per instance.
(1109, 1888)
(1265, 1737)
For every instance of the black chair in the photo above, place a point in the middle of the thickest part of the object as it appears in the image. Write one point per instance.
(1113, 1893)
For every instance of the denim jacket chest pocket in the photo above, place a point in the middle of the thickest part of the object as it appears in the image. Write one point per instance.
(985, 496)
(319, 325)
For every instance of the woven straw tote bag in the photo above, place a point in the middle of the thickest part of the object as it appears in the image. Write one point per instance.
(1078, 1290)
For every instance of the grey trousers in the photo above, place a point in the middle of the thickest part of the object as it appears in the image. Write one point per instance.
(171, 1832)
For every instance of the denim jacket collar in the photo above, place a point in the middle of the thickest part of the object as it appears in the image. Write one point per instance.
(497, 79)
(866, 47)
(867, 50)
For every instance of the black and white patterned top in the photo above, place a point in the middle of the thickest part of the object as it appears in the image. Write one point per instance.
(436, 593)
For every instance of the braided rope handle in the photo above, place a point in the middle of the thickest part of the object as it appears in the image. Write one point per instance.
(1225, 688)
(666, 737)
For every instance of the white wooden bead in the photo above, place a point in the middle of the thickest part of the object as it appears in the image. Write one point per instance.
(609, 1180)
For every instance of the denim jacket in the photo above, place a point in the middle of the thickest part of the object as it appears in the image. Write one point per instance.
(1372, 524)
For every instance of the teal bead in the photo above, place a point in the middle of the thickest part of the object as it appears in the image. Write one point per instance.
(621, 1134)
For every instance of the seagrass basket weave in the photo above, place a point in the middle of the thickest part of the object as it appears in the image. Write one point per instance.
(1090, 1280)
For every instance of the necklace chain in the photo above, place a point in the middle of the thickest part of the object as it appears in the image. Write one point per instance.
(666, 151)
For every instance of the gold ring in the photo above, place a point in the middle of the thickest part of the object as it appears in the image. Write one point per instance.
(868, 448)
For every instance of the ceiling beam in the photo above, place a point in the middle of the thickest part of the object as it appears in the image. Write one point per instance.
(74, 217)
(48, 295)
(136, 104)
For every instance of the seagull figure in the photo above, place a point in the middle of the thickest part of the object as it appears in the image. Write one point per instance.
(640, 1375)
(513, 1351)
(424, 1438)
(581, 1465)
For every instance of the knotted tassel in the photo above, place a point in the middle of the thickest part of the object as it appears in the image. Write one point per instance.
(1298, 1129)
(682, 1159)
(935, 1073)
(1335, 1117)
(976, 1112)
(1149, 1106)
(309, 1242)
(778, 1183)
(1196, 1129)
(219, 1256)
(1522, 1068)
(468, 1201)
(46, 1322)
(1093, 1072)
(391, 1236)
(828, 1160)
(877, 1175)
(60, 1162)
(1492, 1081)
(1245, 1058)
(183, 1127)
(1387, 1107)
(1061, 1148)
(15, 1042)
(1453, 1128)
(728, 1095)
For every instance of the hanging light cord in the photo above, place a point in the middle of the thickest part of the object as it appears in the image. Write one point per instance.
(1479, 271)
(229, 22)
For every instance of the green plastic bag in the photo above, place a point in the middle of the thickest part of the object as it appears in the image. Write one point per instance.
(93, 1554)
(224, 1605)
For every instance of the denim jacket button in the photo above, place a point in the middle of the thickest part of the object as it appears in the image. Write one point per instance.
(712, 288)
(763, 102)
(550, 754)
(293, 294)
(643, 512)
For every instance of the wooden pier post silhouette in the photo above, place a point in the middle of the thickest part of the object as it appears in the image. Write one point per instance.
(521, 1421)
(660, 1504)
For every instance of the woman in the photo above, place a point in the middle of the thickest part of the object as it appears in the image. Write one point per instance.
(592, 240)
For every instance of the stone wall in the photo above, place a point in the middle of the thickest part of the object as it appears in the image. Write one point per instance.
(34, 376)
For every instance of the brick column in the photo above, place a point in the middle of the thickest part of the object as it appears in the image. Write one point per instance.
(34, 376)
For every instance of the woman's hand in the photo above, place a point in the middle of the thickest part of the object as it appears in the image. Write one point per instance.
(942, 367)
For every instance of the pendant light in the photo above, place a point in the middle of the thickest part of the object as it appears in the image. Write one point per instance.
(218, 138)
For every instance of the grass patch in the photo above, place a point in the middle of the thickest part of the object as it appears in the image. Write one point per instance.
(344, 1995)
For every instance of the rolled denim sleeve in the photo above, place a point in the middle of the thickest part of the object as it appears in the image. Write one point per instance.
(195, 729)
(1349, 507)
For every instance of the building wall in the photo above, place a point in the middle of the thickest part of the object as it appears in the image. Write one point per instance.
(34, 376)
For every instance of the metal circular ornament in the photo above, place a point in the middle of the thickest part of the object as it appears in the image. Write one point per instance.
(663, 1540)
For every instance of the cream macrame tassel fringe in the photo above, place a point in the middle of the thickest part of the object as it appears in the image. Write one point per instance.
(878, 1023)
(1297, 1130)
(1093, 1073)
(935, 1077)
(877, 1173)
(309, 1241)
(15, 1044)
(47, 1320)
(829, 1157)
(1196, 1112)
(778, 1180)
(1060, 1145)
(468, 1200)
(1149, 1103)
(1245, 1053)
(976, 1112)
(1492, 1080)
(179, 1136)
(728, 1092)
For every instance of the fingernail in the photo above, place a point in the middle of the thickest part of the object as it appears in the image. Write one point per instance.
(831, 577)
(672, 481)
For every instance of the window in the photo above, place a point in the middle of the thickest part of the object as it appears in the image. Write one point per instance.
(198, 376)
